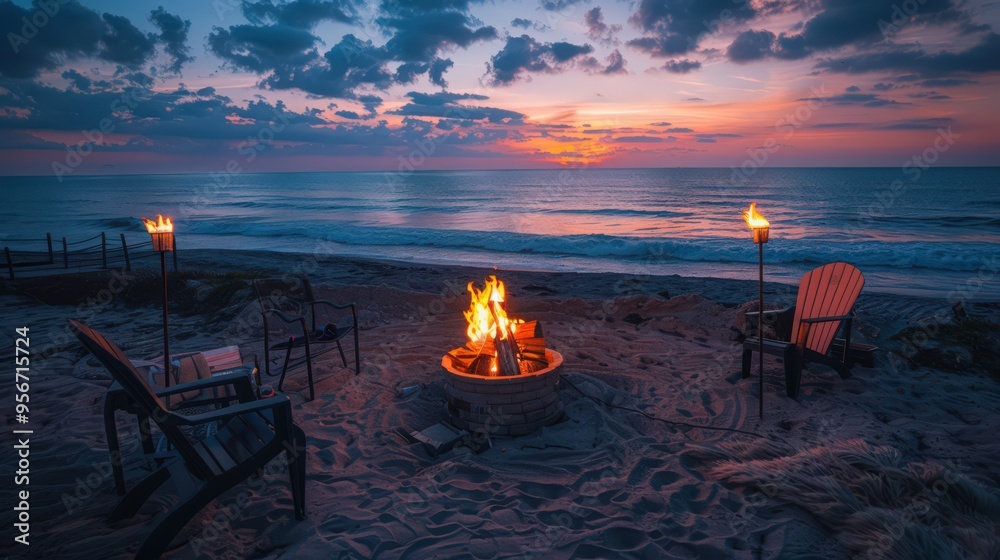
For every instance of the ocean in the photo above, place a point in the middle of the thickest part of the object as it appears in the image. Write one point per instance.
(933, 232)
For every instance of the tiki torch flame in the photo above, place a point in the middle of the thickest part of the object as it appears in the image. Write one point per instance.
(160, 225)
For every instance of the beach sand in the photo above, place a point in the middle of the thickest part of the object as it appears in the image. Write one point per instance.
(894, 462)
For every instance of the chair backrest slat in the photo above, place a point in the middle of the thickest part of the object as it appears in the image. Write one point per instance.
(122, 370)
(828, 291)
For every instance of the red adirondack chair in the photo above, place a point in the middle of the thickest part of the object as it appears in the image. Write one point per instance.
(808, 329)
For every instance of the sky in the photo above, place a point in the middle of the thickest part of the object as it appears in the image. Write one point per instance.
(97, 87)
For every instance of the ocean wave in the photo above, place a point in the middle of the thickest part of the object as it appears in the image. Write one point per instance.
(902, 255)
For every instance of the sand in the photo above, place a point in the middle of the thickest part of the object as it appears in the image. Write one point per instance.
(896, 462)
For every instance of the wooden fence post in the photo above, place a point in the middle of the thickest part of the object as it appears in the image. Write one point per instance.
(48, 239)
(175, 252)
(10, 262)
(65, 254)
(128, 264)
(104, 250)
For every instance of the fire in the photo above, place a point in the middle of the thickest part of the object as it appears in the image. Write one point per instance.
(159, 225)
(486, 312)
(754, 219)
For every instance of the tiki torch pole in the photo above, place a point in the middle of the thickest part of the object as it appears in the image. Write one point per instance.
(163, 242)
(760, 321)
(761, 231)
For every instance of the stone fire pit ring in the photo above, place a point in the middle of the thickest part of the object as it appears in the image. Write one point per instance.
(504, 406)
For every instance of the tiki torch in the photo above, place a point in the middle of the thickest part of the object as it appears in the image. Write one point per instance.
(162, 232)
(761, 229)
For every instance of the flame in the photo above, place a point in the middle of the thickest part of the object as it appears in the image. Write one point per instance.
(159, 225)
(486, 312)
(754, 219)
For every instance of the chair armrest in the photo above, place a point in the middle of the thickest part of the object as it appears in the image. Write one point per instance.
(272, 403)
(283, 316)
(776, 312)
(240, 381)
(781, 319)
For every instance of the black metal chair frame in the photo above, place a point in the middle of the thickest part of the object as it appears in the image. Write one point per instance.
(296, 289)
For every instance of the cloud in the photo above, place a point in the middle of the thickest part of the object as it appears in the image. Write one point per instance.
(947, 82)
(750, 46)
(420, 35)
(676, 27)
(173, 35)
(521, 22)
(920, 124)
(558, 5)
(263, 48)
(882, 86)
(866, 99)
(637, 139)
(681, 66)
(839, 23)
(445, 105)
(616, 63)
(680, 129)
(711, 138)
(599, 31)
(124, 43)
(303, 14)
(980, 58)
(73, 32)
(523, 55)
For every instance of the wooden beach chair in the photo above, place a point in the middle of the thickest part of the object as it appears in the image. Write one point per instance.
(294, 318)
(808, 328)
(250, 435)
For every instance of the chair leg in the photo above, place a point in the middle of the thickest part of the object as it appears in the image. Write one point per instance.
(138, 495)
(114, 450)
(309, 373)
(174, 521)
(747, 360)
(343, 357)
(297, 470)
(284, 366)
(793, 371)
(357, 352)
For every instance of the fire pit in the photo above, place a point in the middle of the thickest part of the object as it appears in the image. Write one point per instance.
(504, 381)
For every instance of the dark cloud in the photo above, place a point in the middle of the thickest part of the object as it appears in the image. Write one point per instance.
(558, 5)
(445, 105)
(980, 58)
(420, 35)
(711, 138)
(852, 89)
(68, 31)
(663, 123)
(616, 63)
(882, 87)
(750, 46)
(124, 43)
(521, 22)
(947, 82)
(173, 35)
(522, 55)
(676, 27)
(77, 80)
(263, 48)
(838, 23)
(598, 30)
(866, 99)
(681, 66)
(920, 124)
(304, 14)
(679, 129)
(637, 139)
(437, 70)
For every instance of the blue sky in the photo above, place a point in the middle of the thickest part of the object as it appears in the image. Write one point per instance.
(456, 84)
